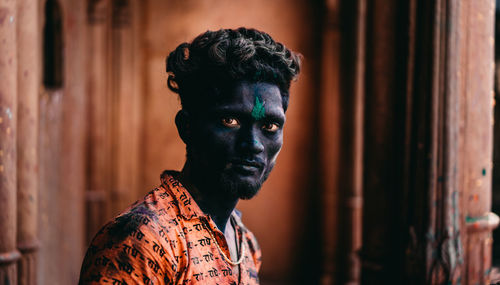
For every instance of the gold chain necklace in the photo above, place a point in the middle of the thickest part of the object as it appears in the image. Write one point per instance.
(228, 260)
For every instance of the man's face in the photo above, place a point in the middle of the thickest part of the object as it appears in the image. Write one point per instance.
(236, 140)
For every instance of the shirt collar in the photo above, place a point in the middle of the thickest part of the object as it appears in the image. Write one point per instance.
(188, 208)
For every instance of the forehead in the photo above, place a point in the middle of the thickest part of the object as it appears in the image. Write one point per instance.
(243, 96)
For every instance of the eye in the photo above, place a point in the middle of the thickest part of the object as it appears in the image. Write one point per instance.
(230, 122)
(270, 127)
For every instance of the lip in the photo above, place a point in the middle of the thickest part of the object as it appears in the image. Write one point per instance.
(247, 165)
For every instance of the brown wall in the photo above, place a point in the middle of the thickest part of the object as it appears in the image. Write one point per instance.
(106, 132)
(62, 155)
(279, 214)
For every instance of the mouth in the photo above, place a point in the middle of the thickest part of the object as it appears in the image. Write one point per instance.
(245, 165)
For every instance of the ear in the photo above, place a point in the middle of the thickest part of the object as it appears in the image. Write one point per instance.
(183, 123)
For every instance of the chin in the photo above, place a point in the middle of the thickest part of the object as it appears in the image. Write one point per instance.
(242, 188)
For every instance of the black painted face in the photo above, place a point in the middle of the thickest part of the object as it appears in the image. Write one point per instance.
(236, 141)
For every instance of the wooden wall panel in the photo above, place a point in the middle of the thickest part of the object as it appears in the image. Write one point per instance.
(62, 156)
(99, 133)
(136, 118)
(126, 103)
(73, 142)
(115, 93)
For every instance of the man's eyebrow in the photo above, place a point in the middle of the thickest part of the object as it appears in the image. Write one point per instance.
(274, 117)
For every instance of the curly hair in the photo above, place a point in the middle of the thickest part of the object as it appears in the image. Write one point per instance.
(216, 60)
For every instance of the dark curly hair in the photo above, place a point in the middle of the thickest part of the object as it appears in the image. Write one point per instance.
(216, 60)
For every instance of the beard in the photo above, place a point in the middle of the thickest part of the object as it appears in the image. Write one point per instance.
(242, 189)
(222, 180)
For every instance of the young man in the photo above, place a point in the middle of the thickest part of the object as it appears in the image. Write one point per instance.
(234, 89)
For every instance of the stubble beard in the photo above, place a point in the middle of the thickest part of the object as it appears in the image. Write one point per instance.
(224, 181)
(241, 189)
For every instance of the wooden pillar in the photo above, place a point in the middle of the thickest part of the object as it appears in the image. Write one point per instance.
(383, 135)
(496, 143)
(448, 142)
(431, 236)
(9, 254)
(478, 18)
(428, 139)
(49, 220)
(63, 115)
(329, 110)
(443, 246)
(99, 135)
(73, 141)
(350, 168)
(124, 108)
(27, 144)
(50, 266)
(138, 98)
(49, 140)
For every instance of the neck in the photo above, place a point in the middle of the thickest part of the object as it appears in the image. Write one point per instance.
(210, 199)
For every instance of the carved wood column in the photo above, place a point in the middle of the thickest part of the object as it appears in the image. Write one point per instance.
(432, 232)
(478, 18)
(450, 113)
(27, 144)
(443, 246)
(9, 254)
(352, 17)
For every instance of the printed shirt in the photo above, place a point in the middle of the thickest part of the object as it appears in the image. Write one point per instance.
(165, 238)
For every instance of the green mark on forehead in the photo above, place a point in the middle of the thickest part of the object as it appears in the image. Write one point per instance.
(259, 110)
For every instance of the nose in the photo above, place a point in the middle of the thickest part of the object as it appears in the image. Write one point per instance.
(251, 143)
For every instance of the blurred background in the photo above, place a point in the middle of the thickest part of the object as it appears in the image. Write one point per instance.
(385, 175)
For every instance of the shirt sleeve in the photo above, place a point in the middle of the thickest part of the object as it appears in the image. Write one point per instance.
(128, 251)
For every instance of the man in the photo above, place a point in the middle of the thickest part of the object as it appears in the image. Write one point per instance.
(233, 86)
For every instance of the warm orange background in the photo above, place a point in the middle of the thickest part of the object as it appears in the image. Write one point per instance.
(108, 132)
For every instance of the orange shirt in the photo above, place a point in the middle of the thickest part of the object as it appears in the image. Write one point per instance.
(165, 238)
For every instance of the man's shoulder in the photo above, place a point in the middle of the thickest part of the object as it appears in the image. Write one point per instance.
(160, 202)
(134, 242)
(150, 215)
(158, 210)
